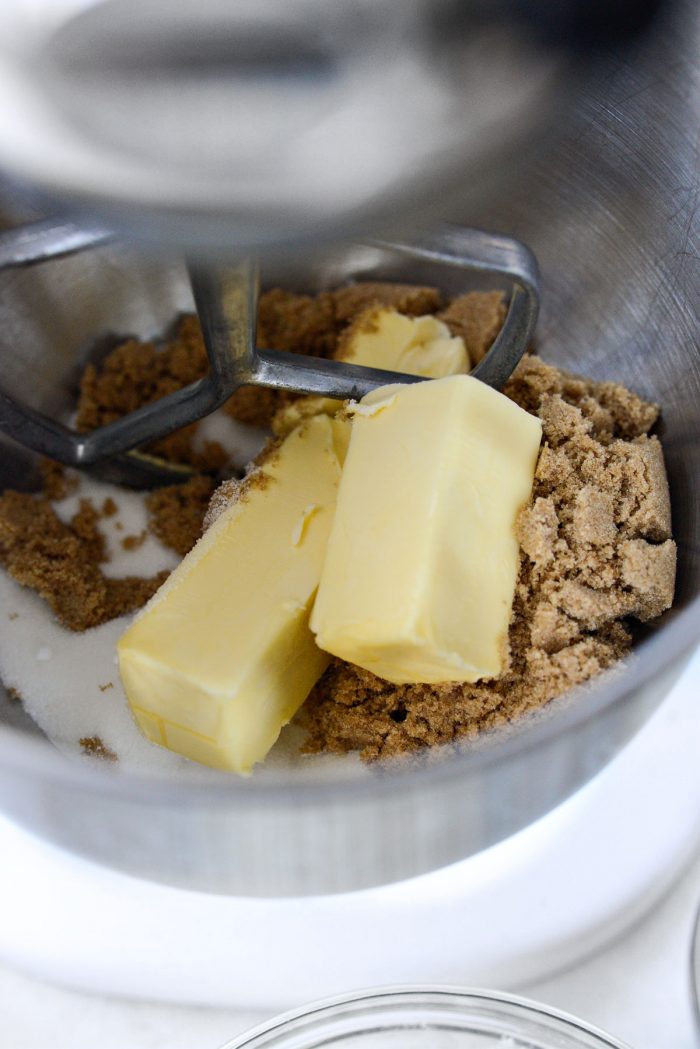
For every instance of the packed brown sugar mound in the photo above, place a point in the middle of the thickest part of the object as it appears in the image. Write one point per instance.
(62, 562)
(596, 548)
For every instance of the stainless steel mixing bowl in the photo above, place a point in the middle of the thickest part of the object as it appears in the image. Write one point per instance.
(611, 210)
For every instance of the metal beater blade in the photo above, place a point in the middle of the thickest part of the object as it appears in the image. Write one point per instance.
(226, 301)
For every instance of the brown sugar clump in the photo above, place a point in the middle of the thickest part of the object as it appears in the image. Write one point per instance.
(41, 552)
(133, 542)
(296, 323)
(176, 513)
(126, 595)
(649, 570)
(56, 482)
(478, 317)
(94, 746)
(413, 300)
(62, 564)
(182, 447)
(84, 524)
(136, 373)
(255, 405)
(596, 548)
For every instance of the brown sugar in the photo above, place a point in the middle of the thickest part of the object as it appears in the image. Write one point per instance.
(297, 323)
(133, 542)
(411, 299)
(94, 747)
(176, 513)
(56, 482)
(478, 317)
(596, 549)
(136, 373)
(255, 405)
(84, 525)
(61, 563)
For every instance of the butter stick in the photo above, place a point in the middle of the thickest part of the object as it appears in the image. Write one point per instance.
(222, 657)
(421, 565)
(383, 338)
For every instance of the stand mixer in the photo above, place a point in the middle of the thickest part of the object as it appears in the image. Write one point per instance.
(239, 126)
(262, 126)
(609, 213)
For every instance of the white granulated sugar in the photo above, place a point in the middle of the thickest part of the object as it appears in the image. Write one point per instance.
(223, 496)
(241, 441)
(69, 682)
(131, 519)
(77, 693)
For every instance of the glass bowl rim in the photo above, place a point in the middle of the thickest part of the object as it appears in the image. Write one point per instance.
(428, 995)
(694, 962)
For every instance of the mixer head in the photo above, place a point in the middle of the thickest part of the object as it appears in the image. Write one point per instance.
(224, 128)
(254, 124)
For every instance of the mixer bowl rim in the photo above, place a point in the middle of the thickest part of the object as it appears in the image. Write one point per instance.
(27, 754)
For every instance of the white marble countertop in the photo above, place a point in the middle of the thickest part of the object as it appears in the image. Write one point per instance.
(638, 989)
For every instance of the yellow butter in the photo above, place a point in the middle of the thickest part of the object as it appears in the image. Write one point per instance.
(222, 657)
(421, 565)
(292, 415)
(389, 340)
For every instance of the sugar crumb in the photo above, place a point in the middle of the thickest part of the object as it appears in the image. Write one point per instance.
(95, 748)
(176, 512)
(133, 542)
(56, 481)
(477, 317)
